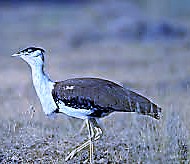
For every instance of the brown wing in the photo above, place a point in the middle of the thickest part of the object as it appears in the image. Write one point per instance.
(102, 94)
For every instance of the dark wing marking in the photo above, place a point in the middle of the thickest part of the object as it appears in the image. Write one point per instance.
(102, 96)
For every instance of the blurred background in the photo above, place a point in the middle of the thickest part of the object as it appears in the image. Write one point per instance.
(142, 44)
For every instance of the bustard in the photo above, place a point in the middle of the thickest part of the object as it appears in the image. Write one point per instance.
(85, 98)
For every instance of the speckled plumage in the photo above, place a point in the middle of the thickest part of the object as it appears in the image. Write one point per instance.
(102, 97)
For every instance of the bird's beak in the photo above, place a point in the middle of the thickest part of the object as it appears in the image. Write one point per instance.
(17, 54)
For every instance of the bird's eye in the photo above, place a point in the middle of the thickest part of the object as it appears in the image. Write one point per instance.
(26, 53)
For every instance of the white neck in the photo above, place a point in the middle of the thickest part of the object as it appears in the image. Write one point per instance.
(43, 86)
(40, 79)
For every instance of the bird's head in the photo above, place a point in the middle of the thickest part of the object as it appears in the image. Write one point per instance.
(34, 56)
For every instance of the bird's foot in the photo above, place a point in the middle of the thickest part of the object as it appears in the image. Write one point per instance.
(71, 155)
(77, 149)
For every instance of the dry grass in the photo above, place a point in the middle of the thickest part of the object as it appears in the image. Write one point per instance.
(157, 69)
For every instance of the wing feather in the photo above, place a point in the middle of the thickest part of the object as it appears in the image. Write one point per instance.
(103, 96)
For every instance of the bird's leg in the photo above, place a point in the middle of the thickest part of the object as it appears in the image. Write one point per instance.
(77, 149)
(91, 136)
(92, 125)
(85, 144)
(82, 127)
(97, 128)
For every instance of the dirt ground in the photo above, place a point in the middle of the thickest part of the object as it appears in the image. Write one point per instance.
(156, 68)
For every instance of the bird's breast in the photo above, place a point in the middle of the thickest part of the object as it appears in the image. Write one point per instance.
(73, 112)
(46, 98)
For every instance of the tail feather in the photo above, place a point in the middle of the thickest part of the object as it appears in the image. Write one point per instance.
(140, 104)
(149, 109)
(154, 111)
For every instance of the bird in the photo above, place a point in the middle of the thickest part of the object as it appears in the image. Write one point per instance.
(86, 98)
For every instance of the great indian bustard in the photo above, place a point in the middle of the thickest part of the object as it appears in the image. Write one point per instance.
(85, 98)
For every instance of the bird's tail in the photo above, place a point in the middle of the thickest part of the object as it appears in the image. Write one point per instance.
(140, 104)
(148, 108)
(153, 111)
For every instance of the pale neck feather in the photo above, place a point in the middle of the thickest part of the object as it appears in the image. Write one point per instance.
(43, 86)
(40, 79)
